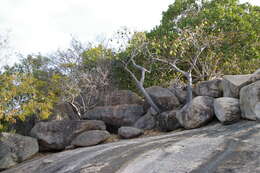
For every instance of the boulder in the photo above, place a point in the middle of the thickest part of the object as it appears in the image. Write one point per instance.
(56, 135)
(227, 110)
(233, 83)
(120, 115)
(129, 132)
(211, 88)
(163, 97)
(255, 76)
(198, 113)
(63, 111)
(250, 101)
(120, 97)
(179, 92)
(15, 148)
(90, 138)
(167, 121)
(146, 122)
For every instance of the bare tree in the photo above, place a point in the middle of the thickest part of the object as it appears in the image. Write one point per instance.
(190, 47)
(84, 76)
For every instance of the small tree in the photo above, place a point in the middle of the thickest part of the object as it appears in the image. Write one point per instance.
(189, 52)
(86, 73)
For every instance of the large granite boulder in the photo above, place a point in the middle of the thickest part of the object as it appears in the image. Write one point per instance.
(255, 76)
(15, 148)
(212, 88)
(163, 97)
(121, 115)
(197, 114)
(146, 122)
(233, 83)
(167, 121)
(227, 110)
(56, 135)
(120, 97)
(179, 92)
(64, 111)
(250, 101)
(90, 138)
(129, 132)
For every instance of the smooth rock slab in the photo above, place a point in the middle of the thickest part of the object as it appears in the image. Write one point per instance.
(90, 138)
(199, 113)
(16, 148)
(250, 100)
(56, 135)
(227, 110)
(214, 148)
(129, 132)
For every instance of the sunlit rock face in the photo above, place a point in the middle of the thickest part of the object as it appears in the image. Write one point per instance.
(214, 148)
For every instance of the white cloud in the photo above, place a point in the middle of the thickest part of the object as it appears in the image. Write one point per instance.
(45, 25)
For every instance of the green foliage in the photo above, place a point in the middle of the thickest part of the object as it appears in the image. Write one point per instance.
(236, 24)
(27, 89)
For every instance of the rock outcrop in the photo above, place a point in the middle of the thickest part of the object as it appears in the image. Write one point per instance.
(90, 138)
(56, 135)
(129, 132)
(167, 121)
(199, 113)
(121, 115)
(146, 122)
(227, 110)
(214, 148)
(250, 101)
(211, 88)
(233, 83)
(15, 148)
(163, 98)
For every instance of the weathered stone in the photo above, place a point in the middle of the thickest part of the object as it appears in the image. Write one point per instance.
(214, 148)
(146, 122)
(121, 115)
(233, 83)
(250, 100)
(163, 98)
(129, 132)
(64, 111)
(227, 110)
(90, 138)
(168, 121)
(15, 148)
(180, 93)
(56, 135)
(197, 114)
(255, 76)
(120, 97)
(211, 88)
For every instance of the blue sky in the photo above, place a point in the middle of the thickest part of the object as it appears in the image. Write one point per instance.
(46, 25)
